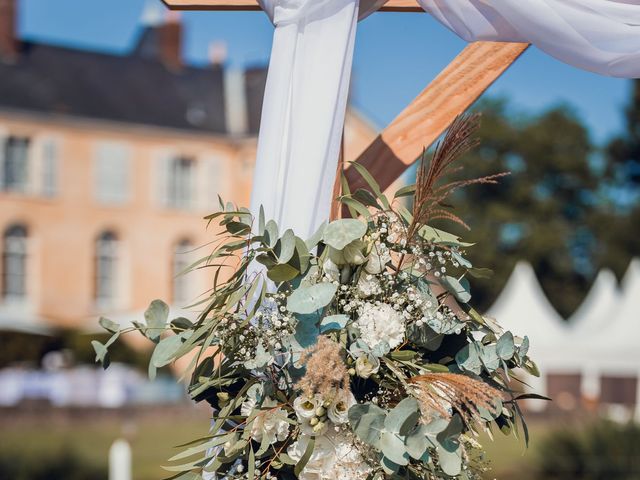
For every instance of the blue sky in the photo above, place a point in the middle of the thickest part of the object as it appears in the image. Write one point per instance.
(397, 54)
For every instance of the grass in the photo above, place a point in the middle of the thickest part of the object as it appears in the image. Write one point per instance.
(152, 437)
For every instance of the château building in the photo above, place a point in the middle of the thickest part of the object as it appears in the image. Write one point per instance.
(108, 164)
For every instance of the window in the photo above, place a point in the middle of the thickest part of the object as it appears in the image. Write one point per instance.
(112, 173)
(180, 182)
(181, 283)
(14, 165)
(14, 263)
(106, 268)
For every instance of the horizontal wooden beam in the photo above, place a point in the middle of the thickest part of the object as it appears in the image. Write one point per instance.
(230, 5)
(452, 92)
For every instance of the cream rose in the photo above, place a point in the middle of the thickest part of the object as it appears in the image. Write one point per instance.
(305, 407)
(338, 411)
(367, 365)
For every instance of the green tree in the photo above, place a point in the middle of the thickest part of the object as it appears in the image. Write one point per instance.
(616, 223)
(541, 212)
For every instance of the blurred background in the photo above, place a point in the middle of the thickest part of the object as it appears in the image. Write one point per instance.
(120, 123)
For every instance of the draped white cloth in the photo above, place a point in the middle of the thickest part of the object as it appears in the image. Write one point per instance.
(309, 72)
(304, 108)
(601, 36)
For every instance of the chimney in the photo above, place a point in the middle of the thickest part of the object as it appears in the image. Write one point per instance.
(217, 52)
(170, 39)
(9, 43)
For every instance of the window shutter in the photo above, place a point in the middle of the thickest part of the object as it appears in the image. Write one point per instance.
(217, 180)
(3, 149)
(44, 167)
(161, 163)
(50, 165)
(112, 165)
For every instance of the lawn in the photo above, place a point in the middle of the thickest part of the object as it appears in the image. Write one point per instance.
(152, 435)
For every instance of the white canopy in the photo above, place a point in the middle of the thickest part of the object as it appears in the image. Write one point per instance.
(523, 308)
(599, 308)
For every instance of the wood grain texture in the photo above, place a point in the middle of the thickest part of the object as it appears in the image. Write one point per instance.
(452, 92)
(222, 5)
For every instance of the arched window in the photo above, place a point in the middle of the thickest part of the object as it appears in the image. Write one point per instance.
(14, 263)
(106, 267)
(181, 283)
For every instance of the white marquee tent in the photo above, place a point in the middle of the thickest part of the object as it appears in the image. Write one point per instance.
(602, 338)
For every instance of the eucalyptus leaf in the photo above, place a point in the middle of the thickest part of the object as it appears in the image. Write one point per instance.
(109, 325)
(286, 246)
(270, 233)
(456, 288)
(393, 448)
(416, 444)
(102, 353)
(166, 349)
(489, 357)
(367, 422)
(403, 417)
(282, 273)
(506, 347)
(339, 233)
(333, 322)
(468, 358)
(309, 299)
(156, 317)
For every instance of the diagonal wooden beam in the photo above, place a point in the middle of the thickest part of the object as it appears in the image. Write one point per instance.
(221, 5)
(452, 92)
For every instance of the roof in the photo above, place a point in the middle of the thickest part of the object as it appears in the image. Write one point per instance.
(135, 88)
(599, 307)
(524, 309)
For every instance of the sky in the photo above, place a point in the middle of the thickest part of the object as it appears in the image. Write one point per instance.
(396, 56)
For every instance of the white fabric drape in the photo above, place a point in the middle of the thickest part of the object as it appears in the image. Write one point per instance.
(601, 36)
(304, 107)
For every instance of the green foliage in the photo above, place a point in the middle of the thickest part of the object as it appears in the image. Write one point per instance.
(602, 451)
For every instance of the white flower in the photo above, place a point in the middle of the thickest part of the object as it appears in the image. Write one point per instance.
(335, 457)
(367, 365)
(381, 323)
(377, 260)
(322, 459)
(367, 285)
(338, 411)
(305, 407)
(353, 252)
(331, 271)
(269, 422)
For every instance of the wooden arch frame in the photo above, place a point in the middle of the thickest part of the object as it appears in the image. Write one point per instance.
(451, 93)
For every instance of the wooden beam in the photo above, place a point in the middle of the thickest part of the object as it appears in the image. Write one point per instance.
(452, 92)
(226, 5)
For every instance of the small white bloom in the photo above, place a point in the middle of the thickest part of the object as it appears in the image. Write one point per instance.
(367, 286)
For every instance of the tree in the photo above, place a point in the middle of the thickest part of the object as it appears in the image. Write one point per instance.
(541, 212)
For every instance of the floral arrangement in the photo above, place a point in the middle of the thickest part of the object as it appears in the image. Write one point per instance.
(351, 355)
